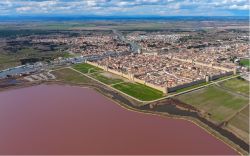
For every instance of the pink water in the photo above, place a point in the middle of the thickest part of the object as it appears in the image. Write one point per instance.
(72, 120)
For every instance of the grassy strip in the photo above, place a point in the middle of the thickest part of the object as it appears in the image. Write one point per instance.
(139, 91)
(85, 68)
(225, 77)
(245, 63)
(105, 79)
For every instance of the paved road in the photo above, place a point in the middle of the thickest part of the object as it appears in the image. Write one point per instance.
(135, 47)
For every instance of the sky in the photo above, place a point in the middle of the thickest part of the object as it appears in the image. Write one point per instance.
(125, 7)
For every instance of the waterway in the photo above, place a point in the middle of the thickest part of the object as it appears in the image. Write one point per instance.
(54, 119)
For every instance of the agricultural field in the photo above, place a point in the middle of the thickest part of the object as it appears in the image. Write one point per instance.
(15, 51)
(139, 91)
(239, 124)
(237, 85)
(86, 68)
(14, 57)
(216, 101)
(8, 61)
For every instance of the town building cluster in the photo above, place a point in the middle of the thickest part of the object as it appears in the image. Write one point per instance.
(89, 44)
(154, 42)
(165, 61)
(160, 70)
(220, 56)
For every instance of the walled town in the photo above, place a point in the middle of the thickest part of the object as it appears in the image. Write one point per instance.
(164, 60)
(165, 63)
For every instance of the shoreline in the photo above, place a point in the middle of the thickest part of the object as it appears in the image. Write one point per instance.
(130, 105)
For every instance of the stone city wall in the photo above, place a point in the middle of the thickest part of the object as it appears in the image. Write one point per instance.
(172, 89)
(206, 65)
(214, 77)
(165, 90)
(129, 76)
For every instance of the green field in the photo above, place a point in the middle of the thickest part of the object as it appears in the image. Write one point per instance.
(67, 55)
(216, 101)
(68, 75)
(107, 80)
(241, 120)
(139, 91)
(238, 85)
(245, 63)
(86, 68)
(239, 124)
(136, 90)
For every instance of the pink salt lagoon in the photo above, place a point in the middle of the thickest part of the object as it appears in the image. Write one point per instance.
(53, 119)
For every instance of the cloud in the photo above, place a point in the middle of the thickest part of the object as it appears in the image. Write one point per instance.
(125, 7)
(240, 7)
(23, 9)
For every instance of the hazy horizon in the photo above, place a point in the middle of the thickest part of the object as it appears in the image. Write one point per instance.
(96, 17)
